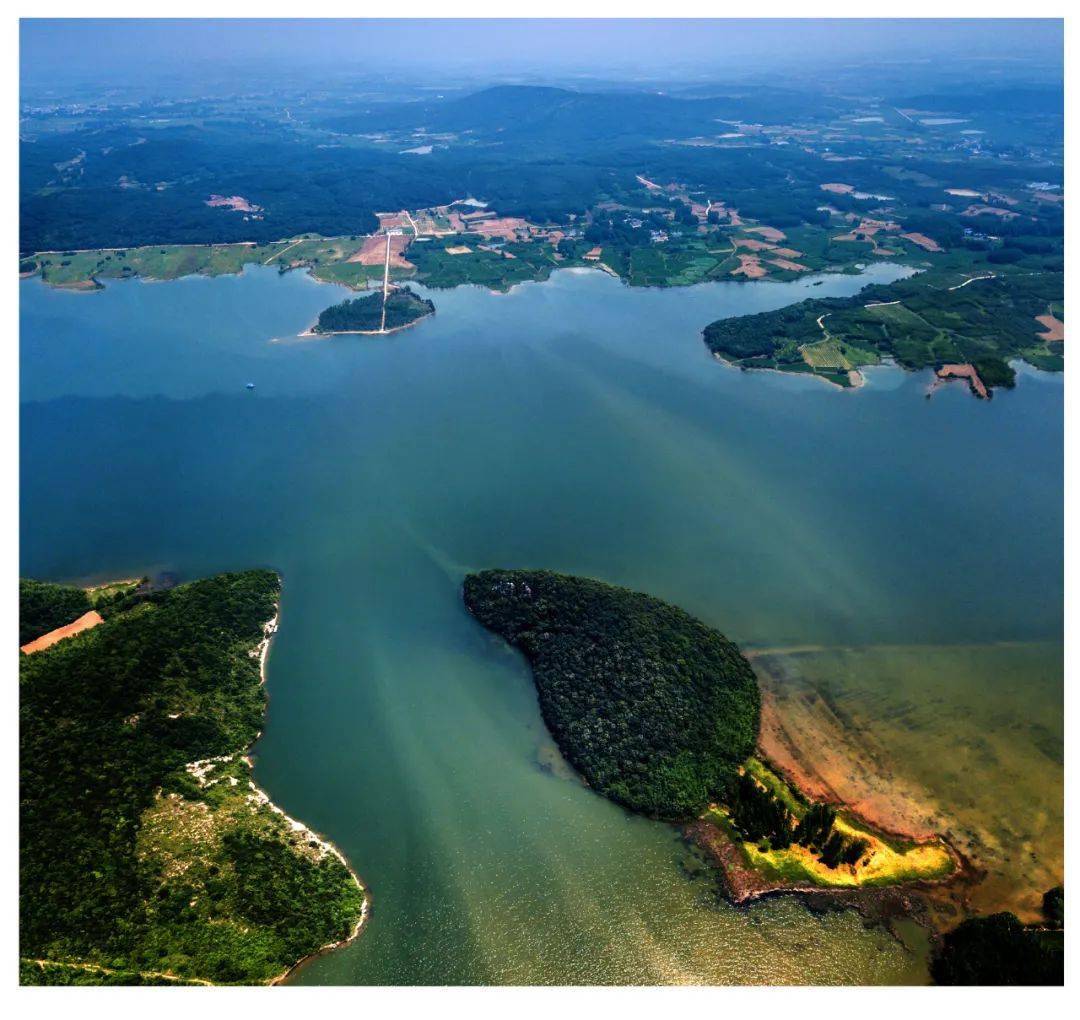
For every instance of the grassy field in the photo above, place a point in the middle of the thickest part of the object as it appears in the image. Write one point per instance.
(355, 275)
(675, 264)
(169, 262)
(105, 593)
(886, 861)
(832, 354)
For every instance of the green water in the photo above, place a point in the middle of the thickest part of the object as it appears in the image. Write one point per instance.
(577, 425)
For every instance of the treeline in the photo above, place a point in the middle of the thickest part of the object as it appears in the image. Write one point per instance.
(655, 709)
(1001, 950)
(44, 607)
(763, 818)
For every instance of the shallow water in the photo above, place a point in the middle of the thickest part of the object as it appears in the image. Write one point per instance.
(578, 425)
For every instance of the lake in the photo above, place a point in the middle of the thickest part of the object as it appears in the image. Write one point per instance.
(582, 426)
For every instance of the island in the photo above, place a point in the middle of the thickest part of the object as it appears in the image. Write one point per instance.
(148, 855)
(661, 713)
(373, 314)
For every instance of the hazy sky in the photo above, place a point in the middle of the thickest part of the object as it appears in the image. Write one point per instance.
(113, 49)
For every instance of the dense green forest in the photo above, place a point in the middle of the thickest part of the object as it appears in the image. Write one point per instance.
(655, 709)
(482, 266)
(142, 174)
(919, 322)
(365, 314)
(44, 607)
(144, 846)
(670, 187)
(1000, 950)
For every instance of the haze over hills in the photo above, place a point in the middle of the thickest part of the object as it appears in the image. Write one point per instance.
(589, 300)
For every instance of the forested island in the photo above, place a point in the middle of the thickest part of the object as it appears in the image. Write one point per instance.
(147, 854)
(660, 713)
(371, 314)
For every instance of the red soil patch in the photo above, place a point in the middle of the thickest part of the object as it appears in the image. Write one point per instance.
(391, 221)
(235, 202)
(793, 267)
(866, 230)
(750, 267)
(84, 622)
(1055, 329)
(769, 233)
(593, 254)
(923, 241)
(753, 244)
(965, 372)
(507, 227)
(373, 252)
(743, 882)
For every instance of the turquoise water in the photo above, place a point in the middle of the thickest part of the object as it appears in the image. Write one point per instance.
(578, 425)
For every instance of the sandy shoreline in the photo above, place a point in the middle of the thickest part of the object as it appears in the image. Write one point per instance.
(795, 375)
(808, 742)
(262, 650)
(311, 334)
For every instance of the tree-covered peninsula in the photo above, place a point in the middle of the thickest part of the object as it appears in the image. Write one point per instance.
(979, 325)
(368, 314)
(660, 713)
(147, 853)
(656, 710)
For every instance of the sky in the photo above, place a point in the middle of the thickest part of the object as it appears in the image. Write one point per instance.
(111, 49)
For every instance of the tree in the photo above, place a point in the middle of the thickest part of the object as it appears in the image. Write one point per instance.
(999, 950)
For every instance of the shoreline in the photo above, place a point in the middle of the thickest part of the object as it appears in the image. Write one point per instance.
(735, 366)
(311, 334)
(744, 885)
(326, 846)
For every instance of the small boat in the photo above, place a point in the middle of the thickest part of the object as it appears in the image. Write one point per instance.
(250, 386)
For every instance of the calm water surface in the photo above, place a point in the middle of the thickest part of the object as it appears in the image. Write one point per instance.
(577, 425)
